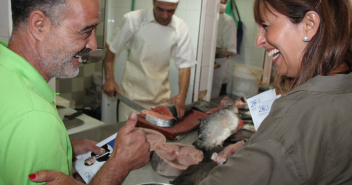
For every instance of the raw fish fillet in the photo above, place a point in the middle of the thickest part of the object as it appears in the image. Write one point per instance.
(171, 159)
(162, 116)
(154, 138)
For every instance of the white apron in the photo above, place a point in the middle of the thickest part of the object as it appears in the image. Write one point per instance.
(145, 79)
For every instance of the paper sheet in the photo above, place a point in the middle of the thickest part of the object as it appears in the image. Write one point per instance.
(260, 106)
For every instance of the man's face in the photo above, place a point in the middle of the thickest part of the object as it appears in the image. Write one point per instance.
(74, 36)
(163, 11)
(90, 161)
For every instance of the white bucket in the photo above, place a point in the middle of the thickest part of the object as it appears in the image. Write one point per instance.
(244, 83)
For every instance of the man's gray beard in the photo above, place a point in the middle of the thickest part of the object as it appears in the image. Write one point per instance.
(55, 68)
(56, 62)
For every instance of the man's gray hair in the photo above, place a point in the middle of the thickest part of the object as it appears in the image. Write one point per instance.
(53, 9)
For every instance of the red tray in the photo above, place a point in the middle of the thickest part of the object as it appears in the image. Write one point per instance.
(187, 124)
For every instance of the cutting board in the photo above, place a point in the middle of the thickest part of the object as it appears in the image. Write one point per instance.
(188, 123)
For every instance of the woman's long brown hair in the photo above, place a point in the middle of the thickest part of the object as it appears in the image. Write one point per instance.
(331, 47)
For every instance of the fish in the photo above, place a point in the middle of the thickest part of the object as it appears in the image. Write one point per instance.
(162, 116)
(165, 115)
(245, 115)
(154, 138)
(194, 174)
(171, 159)
(241, 103)
(217, 127)
(220, 124)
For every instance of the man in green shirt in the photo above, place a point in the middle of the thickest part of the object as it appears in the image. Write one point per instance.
(49, 37)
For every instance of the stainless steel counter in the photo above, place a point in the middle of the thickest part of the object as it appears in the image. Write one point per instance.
(142, 175)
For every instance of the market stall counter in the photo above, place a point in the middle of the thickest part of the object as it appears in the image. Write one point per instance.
(144, 174)
(147, 174)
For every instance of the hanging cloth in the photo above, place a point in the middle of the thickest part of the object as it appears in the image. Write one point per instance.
(230, 10)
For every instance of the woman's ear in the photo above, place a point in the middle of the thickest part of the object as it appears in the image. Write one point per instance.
(311, 22)
(39, 24)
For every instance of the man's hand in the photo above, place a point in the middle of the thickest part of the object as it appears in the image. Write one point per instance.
(83, 146)
(131, 148)
(179, 102)
(110, 86)
(54, 177)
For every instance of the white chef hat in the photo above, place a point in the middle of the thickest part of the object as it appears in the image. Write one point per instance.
(169, 1)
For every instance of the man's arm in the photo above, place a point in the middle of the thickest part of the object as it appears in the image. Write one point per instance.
(34, 141)
(110, 86)
(121, 35)
(184, 60)
(180, 98)
(131, 151)
(222, 52)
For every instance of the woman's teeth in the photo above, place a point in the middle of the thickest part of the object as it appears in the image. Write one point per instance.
(274, 52)
(276, 56)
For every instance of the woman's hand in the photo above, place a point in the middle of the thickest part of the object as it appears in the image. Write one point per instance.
(53, 177)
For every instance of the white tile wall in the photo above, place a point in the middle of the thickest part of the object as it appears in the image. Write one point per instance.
(208, 46)
(193, 5)
(204, 75)
(5, 39)
(5, 20)
(188, 10)
(249, 53)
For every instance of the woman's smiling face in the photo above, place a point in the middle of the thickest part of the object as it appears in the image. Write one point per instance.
(282, 39)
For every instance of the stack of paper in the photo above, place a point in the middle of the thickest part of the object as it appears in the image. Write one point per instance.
(260, 106)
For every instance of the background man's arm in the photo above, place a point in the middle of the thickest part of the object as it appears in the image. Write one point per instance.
(183, 83)
(179, 100)
(110, 86)
(119, 38)
(184, 60)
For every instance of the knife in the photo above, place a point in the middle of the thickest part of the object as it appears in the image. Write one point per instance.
(70, 121)
(129, 102)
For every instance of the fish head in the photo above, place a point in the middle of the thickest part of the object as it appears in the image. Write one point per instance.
(226, 102)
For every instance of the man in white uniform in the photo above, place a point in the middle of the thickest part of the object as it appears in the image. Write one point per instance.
(153, 37)
(226, 47)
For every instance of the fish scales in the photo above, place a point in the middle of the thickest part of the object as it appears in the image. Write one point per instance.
(216, 128)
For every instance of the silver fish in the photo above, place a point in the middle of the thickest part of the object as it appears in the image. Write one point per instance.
(216, 128)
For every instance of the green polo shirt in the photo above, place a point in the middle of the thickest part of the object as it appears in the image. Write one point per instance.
(32, 135)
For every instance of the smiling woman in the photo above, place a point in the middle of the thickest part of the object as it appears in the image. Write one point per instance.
(306, 137)
(308, 42)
